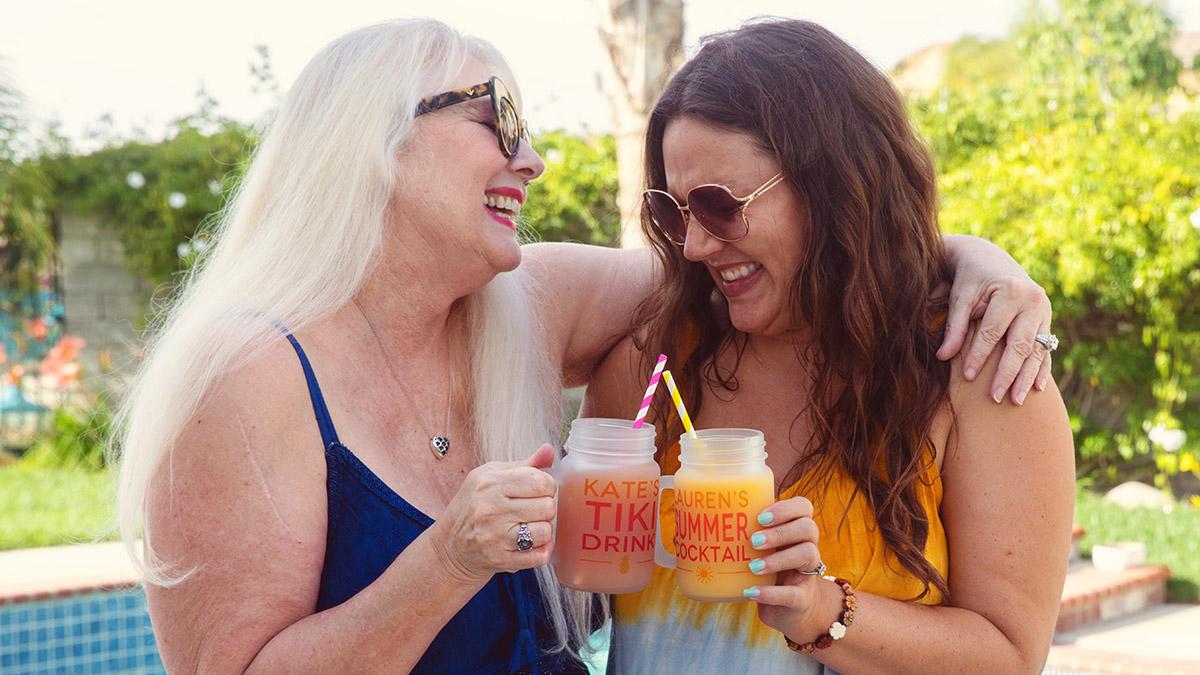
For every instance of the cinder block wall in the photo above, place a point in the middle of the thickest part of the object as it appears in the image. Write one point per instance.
(103, 301)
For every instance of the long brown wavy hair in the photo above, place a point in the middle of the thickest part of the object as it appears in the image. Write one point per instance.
(871, 267)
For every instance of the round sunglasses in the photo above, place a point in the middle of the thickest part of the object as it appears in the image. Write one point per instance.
(721, 213)
(510, 128)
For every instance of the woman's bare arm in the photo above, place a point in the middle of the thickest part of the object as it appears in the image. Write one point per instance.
(587, 297)
(243, 500)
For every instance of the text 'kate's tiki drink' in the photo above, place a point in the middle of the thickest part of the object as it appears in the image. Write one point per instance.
(723, 483)
(607, 507)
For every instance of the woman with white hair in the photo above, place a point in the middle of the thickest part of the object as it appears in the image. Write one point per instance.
(363, 290)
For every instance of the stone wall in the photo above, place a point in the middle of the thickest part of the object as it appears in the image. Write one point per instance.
(102, 300)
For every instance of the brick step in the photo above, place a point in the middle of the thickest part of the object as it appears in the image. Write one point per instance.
(1157, 640)
(1092, 595)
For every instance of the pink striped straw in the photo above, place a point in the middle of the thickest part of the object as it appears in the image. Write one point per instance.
(658, 369)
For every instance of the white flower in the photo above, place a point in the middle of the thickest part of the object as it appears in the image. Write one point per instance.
(1167, 439)
(201, 245)
(177, 200)
(1195, 218)
(554, 156)
(184, 249)
(135, 180)
(214, 186)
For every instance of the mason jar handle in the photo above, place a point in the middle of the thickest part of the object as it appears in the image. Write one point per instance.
(662, 557)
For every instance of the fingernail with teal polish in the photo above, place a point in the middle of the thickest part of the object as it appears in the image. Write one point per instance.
(758, 539)
(751, 592)
(757, 566)
(766, 518)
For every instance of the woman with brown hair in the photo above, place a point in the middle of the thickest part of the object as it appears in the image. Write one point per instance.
(793, 210)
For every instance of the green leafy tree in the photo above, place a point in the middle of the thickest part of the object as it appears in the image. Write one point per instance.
(158, 195)
(1075, 167)
(1105, 48)
(576, 198)
(26, 244)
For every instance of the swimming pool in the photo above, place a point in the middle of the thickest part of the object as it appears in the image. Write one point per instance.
(105, 631)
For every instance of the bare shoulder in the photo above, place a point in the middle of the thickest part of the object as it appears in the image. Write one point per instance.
(972, 403)
(979, 426)
(240, 503)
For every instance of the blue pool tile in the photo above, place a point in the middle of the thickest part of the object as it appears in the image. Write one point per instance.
(97, 632)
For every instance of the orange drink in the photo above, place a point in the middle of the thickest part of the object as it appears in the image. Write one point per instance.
(607, 507)
(722, 485)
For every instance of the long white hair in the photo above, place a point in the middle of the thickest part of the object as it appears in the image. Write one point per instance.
(297, 241)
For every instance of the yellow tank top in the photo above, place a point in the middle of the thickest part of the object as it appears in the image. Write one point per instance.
(661, 630)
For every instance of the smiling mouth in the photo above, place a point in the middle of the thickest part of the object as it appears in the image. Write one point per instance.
(506, 207)
(732, 274)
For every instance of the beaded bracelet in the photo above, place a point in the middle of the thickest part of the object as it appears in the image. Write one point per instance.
(837, 630)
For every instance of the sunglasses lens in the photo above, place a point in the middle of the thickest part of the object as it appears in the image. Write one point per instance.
(666, 215)
(509, 127)
(718, 211)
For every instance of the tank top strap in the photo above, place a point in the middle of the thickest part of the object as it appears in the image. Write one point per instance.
(324, 421)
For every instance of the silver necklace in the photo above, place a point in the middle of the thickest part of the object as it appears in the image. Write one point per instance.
(439, 444)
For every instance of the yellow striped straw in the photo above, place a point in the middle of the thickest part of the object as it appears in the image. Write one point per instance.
(687, 421)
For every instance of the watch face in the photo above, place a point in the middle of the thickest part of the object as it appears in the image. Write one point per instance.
(837, 631)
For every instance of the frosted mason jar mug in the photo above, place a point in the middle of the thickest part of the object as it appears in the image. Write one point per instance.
(723, 483)
(607, 507)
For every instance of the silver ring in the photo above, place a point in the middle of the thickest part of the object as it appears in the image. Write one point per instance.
(524, 537)
(819, 572)
(1047, 340)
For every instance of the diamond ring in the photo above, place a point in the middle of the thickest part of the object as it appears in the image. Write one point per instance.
(1047, 340)
(524, 537)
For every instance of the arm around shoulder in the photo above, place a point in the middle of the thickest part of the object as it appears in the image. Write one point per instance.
(587, 295)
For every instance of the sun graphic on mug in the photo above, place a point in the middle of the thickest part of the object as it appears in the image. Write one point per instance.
(705, 574)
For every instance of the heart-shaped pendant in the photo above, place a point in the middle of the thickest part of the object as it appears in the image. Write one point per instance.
(440, 446)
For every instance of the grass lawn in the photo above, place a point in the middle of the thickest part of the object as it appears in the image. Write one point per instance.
(1171, 539)
(46, 507)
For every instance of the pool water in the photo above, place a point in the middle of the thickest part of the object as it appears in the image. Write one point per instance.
(94, 632)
